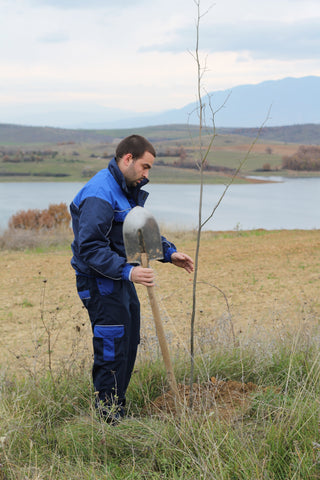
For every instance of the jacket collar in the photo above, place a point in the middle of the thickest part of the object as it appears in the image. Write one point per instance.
(133, 192)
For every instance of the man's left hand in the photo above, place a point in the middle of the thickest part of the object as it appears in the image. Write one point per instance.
(183, 261)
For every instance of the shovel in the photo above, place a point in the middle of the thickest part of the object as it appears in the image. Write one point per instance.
(142, 242)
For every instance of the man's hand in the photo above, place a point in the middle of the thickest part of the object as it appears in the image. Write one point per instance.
(183, 261)
(144, 276)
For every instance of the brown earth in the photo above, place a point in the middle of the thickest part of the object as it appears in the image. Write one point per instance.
(250, 284)
(223, 399)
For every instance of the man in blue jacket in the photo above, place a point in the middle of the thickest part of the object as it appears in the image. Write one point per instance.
(105, 280)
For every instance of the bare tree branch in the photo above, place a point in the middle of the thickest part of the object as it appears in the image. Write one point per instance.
(242, 162)
(201, 162)
(228, 308)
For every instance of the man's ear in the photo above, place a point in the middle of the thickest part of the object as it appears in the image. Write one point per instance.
(127, 159)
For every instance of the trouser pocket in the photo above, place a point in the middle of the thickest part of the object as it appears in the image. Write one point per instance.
(83, 289)
(105, 286)
(108, 342)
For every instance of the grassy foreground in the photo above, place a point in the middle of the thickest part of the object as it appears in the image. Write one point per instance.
(50, 431)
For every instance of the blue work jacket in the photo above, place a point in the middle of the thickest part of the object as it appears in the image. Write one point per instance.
(98, 212)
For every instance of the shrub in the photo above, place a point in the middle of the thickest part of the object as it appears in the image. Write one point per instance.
(88, 172)
(305, 158)
(266, 167)
(53, 217)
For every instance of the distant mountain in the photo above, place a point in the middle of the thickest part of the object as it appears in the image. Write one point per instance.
(289, 101)
(292, 101)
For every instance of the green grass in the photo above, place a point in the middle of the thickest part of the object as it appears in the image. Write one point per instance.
(232, 159)
(161, 174)
(49, 430)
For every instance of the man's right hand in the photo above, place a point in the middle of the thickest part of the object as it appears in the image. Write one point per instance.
(143, 276)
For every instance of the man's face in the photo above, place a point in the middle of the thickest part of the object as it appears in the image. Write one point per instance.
(137, 170)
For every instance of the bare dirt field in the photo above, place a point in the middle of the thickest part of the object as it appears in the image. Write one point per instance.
(249, 282)
(277, 148)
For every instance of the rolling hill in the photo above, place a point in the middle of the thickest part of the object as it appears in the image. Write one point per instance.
(21, 135)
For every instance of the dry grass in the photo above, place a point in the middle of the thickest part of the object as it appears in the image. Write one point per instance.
(269, 279)
(20, 239)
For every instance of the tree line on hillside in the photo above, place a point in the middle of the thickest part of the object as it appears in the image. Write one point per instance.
(18, 134)
(14, 156)
(305, 158)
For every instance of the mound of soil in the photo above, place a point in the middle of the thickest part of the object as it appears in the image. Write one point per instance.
(223, 398)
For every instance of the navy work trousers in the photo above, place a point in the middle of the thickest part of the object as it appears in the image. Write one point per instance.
(114, 311)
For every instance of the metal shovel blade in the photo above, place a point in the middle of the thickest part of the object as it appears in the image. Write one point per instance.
(141, 234)
(142, 242)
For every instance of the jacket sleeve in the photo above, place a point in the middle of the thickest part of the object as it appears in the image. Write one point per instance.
(168, 249)
(95, 221)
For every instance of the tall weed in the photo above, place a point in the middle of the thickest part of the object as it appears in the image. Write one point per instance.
(49, 429)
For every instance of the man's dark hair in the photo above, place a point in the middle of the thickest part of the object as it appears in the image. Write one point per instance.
(136, 145)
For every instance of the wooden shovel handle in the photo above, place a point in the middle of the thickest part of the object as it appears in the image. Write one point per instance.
(160, 333)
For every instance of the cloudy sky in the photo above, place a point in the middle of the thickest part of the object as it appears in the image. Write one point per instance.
(135, 54)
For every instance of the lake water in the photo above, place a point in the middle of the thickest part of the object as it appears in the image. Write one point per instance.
(286, 204)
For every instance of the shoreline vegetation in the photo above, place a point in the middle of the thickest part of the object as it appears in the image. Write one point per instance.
(256, 404)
